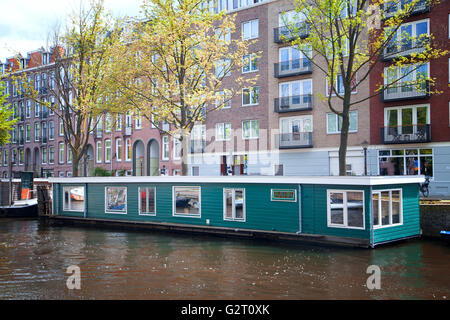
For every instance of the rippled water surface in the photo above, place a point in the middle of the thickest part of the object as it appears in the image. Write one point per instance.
(144, 265)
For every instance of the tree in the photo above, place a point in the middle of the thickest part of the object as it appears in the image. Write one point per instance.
(6, 117)
(82, 56)
(173, 66)
(347, 39)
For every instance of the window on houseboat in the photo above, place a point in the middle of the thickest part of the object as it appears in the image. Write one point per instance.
(234, 204)
(387, 208)
(147, 199)
(187, 201)
(116, 199)
(73, 198)
(346, 209)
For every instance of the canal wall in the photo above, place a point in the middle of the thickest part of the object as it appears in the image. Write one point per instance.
(434, 218)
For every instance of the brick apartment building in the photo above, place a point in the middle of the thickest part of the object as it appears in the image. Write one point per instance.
(277, 127)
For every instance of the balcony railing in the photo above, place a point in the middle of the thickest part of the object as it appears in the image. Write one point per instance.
(406, 92)
(293, 103)
(198, 146)
(292, 68)
(295, 140)
(405, 47)
(391, 7)
(285, 34)
(406, 134)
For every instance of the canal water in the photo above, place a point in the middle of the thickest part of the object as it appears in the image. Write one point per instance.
(34, 258)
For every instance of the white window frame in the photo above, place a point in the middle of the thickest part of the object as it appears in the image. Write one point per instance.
(175, 143)
(61, 159)
(69, 209)
(119, 159)
(128, 145)
(345, 210)
(98, 151)
(337, 122)
(220, 128)
(106, 151)
(233, 197)
(147, 201)
(251, 94)
(165, 144)
(380, 226)
(249, 138)
(414, 113)
(175, 214)
(252, 57)
(126, 200)
(253, 33)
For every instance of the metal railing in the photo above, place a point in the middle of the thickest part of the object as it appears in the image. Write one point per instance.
(293, 103)
(295, 140)
(198, 146)
(406, 134)
(292, 68)
(285, 34)
(391, 7)
(405, 47)
(406, 91)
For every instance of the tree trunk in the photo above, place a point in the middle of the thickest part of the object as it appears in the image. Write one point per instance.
(344, 138)
(75, 164)
(185, 153)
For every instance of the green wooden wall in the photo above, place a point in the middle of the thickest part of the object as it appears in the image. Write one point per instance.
(261, 213)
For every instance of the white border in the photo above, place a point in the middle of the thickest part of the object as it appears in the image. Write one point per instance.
(140, 204)
(175, 214)
(380, 226)
(345, 210)
(126, 200)
(295, 195)
(63, 200)
(233, 213)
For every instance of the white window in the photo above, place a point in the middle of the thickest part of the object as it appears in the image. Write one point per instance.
(387, 208)
(138, 121)
(147, 201)
(345, 209)
(61, 128)
(37, 109)
(295, 93)
(128, 149)
(165, 148)
(223, 131)
(250, 129)
(250, 63)
(116, 200)
(27, 132)
(408, 36)
(61, 153)
(405, 78)
(250, 29)
(99, 151)
(290, 17)
(292, 58)
(37, 131)
(69, 155)
(44, 155)
(223, 68)
(176, 149)
(107, 151)
(51, 155)
(250, 96)
(119, 149)
(339, 86)
(334, 122)
(234, 204)
(119, 122)
(404, 120)
(128, 120)
(186, 201)
(73, 198)
(28, 109)
(224, 101)
(51, 130)
(296, 125)
(108, 123)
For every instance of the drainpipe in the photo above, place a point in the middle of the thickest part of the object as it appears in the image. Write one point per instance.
(371, 218)
(299, 209)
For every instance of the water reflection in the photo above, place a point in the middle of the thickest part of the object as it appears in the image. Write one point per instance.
(146, 265)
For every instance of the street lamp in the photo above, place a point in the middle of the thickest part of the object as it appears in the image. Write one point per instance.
(364, 145)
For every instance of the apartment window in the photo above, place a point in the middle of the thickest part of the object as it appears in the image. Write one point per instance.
(5, 157)
(99, 151)
(20, 156)
(223, 101)
(61, 128)
(128, 120)
(250, 63)
(250, 129)
(51, 155)
(118, 149)
(296, 92)
(339, 86)
(387, 208)
(61, 153)
(27, 132)
(223, 68)
(345, 209)
(165, 148)
(28, 109)
(138, 121)
(334, 122)
(405, 162)
(250, 29)
(186, 201)
(37, 109)
(69, 155)
(44, 155)
(37, 131)
(406, 78)
(108, 123)
(176, 149)
(408, 36)
(223, 131)
(290, 17)
(51, 130)
(119, 122)
(250, 96)
(107, 151)
(44, 132)
(406, 120)
(295, 125)
(223, 35)
(128, 149)
(234, 204)
(73, 198)
(292, 58)
(116, 200)
(147, 201)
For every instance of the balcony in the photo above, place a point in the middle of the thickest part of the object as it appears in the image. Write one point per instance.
(284, 34)
(293, 103)
(294, 140)
(392, 7)
(406, 92)
(406, 134)
(198, 146)
(292, 68)
(405, 47)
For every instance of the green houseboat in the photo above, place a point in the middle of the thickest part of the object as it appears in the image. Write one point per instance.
(355, 211)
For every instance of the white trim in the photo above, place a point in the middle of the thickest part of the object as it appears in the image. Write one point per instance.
(147, 201)
(70, 199)
(380, 226)
(175, 214)
(345, 210)
(295, 195)
(233, 209)
(126, 200)
(327, 180)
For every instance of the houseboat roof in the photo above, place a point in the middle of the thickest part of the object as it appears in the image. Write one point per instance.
(332, 180)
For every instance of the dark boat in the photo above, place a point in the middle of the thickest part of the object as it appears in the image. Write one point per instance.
(445, 235)
(20, 209)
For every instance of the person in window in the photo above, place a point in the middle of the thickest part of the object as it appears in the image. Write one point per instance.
(163, 170)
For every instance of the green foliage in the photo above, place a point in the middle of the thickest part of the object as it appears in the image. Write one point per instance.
(100, 172)
(6, 118)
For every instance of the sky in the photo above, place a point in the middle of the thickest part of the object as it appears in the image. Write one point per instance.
(26, 24)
